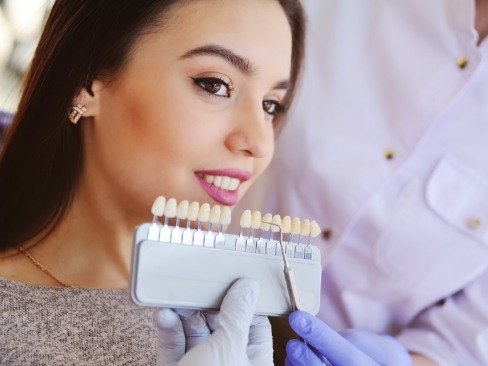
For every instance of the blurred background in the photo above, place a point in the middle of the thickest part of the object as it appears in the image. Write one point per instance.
(21, 22)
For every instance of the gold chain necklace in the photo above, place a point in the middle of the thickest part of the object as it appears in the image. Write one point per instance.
(42, 268)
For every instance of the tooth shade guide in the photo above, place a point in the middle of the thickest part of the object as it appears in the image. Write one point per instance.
(187, 237)
(264, 246)
(278, 248)
(277, 222)
(308, 253)
(246, 218)
(198, 237)
(204, 213)
(176, 235)
(153, 232)
(165, 234)
(181, 214)
(193, 211)
(286, 225)
(261, 245)
(314, 229)
(295, 226)
(256, 220)
(182, 210)
(213, 218)
(206, 267)
(158, 206)
(240, 244)
(220, 239)
(305, 228)
(271, 247)
(225, 217)
(250, 246)
(170, 209)
(299, 251)
(290, 250)
(209, 238)
(215, 214)
(203, 216)
(265, 220)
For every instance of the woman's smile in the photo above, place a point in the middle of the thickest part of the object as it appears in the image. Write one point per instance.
(222, 185)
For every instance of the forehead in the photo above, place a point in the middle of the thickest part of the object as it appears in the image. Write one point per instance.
(255, 29)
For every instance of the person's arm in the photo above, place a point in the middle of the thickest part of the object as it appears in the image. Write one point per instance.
(450, 333)
(453, 331)
(352, 348)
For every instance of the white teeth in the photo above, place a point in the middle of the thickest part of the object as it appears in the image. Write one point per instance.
(217, 181)
(223, 182)
(234, 184)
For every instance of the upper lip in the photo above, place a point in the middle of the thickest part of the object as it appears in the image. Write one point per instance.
(242, 175)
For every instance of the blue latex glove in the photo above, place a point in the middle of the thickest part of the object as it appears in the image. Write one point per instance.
(351, 348)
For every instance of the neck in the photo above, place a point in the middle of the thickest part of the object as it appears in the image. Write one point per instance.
(91, 247)
(481, 21)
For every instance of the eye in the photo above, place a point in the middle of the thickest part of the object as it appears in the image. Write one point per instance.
(272, 107)
(214, 86)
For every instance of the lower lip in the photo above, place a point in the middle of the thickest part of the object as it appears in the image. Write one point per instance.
(221, 196)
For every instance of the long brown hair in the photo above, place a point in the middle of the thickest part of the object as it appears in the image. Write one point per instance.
(83, 40)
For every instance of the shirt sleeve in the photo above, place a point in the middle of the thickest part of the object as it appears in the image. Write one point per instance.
(453, 332)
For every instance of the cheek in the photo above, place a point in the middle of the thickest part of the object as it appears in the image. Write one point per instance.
(152, 123)
(150, 143)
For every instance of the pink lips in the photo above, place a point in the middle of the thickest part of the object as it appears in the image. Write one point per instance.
(220, 195)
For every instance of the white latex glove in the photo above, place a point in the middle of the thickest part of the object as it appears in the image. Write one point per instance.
(234, 336)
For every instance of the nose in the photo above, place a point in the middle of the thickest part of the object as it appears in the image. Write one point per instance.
(252, 133)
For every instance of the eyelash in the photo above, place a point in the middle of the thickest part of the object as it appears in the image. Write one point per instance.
(203, 83)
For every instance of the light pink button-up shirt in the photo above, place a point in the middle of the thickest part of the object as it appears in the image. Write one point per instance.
(404, 79)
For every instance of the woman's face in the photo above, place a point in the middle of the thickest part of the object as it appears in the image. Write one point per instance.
(191, 114)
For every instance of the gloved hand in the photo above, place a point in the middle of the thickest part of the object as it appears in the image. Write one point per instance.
(352, 348)
(234, 336)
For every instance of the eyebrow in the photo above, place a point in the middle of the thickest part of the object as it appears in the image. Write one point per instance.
(239, 62)
(285, 84)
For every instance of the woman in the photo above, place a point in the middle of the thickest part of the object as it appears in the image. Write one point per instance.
(167, 92)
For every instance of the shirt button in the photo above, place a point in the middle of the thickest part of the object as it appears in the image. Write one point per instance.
(441, 302)
(462, 62)
(389, 154)
(327, 234)
(473, 224)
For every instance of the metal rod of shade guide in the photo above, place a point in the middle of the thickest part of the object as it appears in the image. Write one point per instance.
(288, 272)
(289, 277)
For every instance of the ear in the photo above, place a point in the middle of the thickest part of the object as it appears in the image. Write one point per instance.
(90, 99)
